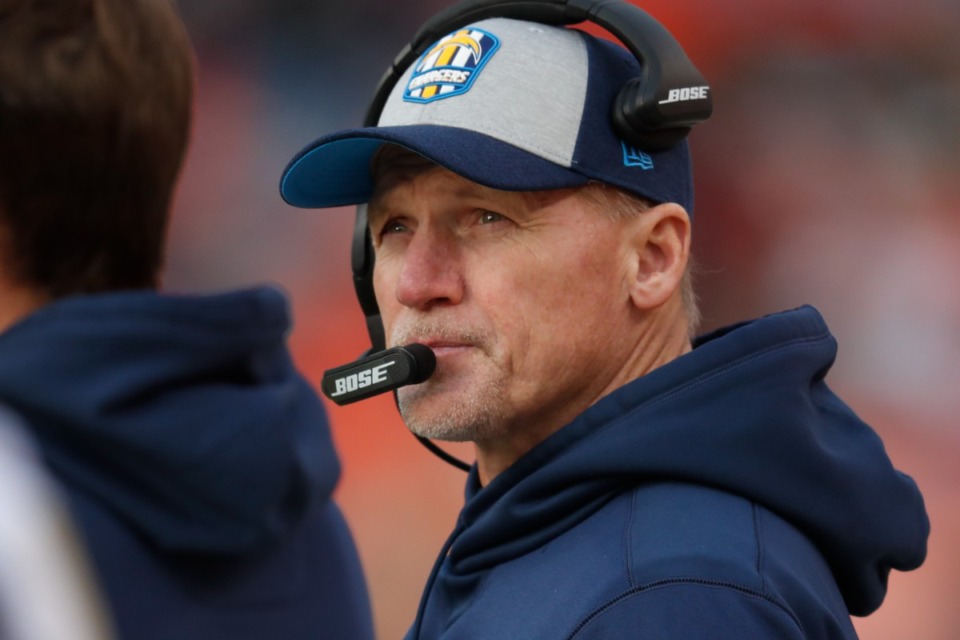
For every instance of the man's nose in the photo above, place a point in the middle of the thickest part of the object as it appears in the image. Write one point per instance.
(431, 273)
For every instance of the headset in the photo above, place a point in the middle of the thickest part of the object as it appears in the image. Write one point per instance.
(642, 113)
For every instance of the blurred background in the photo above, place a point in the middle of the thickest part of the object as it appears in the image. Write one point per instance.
(828, 175)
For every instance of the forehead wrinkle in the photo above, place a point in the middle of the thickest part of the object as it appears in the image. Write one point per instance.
(395, 166)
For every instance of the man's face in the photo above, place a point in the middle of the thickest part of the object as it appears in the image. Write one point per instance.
(523, 298)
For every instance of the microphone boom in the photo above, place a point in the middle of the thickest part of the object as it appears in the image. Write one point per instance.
(378, 373)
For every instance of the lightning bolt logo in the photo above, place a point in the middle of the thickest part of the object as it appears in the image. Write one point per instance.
(451, 46)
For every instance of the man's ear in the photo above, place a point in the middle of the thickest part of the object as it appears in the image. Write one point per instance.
(660, 251)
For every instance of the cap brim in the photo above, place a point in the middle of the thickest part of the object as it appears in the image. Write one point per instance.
(336, 170)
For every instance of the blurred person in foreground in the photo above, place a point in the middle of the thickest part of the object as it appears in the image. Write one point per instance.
(630, 481)
(196, 461)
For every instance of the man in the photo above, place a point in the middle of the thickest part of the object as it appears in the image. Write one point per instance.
(196, 461)
(629, 482)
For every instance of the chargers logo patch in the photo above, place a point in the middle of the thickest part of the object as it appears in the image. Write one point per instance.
(450, 66)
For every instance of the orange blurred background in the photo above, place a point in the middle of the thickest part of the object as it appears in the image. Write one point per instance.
(828, 175)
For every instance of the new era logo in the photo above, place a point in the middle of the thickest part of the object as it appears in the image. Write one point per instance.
(633, 157)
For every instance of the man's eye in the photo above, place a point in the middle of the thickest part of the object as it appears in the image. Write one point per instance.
(393, 226)
(489, 217)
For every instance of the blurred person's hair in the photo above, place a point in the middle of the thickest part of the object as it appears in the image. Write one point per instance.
(95, 111)
(619, 203)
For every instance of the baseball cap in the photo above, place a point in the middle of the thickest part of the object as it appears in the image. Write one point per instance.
(509, 104)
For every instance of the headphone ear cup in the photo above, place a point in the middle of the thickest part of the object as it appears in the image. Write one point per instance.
(637, 119)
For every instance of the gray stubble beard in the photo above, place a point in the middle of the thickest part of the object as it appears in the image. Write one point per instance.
(478, 416)
(474, 415)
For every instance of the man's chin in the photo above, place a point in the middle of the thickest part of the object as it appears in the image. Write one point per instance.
(427, 413)
(442, 415)
(453, 408)
(436, 427)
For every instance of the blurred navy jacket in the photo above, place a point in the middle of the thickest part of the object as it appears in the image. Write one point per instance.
(198, 463)
(726, 495)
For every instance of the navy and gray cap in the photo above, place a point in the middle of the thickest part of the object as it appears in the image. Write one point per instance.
(511, 105)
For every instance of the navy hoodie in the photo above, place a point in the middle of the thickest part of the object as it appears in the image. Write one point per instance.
(728, 494)
(197, 462)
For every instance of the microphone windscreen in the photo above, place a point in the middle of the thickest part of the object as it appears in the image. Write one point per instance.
(426, 361)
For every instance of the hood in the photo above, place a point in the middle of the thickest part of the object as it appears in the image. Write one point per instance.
(184, 415)
(746, 411)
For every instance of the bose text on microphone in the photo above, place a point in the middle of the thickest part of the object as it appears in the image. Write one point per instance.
(383, 371)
